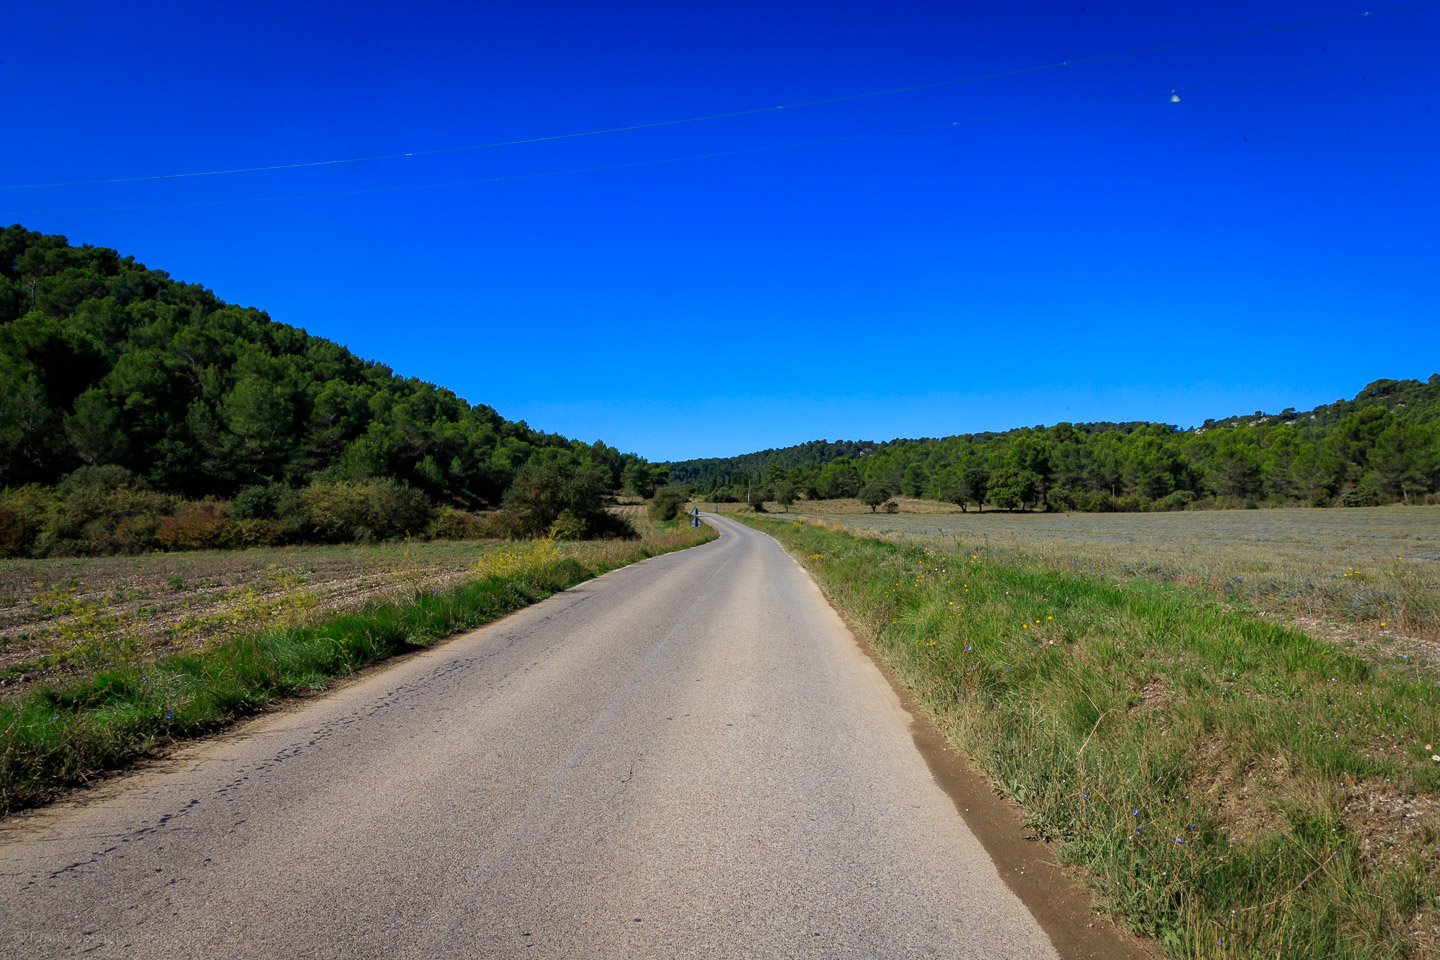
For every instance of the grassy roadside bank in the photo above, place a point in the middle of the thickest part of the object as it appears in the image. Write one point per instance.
(58, 736)
(1234, 788)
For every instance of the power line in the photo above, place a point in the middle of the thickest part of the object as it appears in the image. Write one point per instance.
(949, 124)
(732, 114)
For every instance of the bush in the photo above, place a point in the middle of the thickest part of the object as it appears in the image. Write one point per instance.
(249, 532)
(1359, 497)
(667, 503)
(363, 510)
(24, 513)
(195, 526)
(557, 491)
(86, 519)
(103, 478)
(1178, 500)
(890, 506)
(449, 523)
(269, 502)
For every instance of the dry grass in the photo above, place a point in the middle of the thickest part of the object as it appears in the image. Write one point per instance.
(1367, 576)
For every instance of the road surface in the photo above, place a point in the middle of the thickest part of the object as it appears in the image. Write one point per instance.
(688, 757)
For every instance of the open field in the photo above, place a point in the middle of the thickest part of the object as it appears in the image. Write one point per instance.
(65, 615)
(1370, 576)
(1230, 786)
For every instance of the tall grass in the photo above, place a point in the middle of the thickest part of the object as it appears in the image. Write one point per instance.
(1233, 787)
(1369, 568)
(62, 735)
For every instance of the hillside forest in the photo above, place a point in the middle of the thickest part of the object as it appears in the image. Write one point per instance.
(1381, 447)
(137, 411)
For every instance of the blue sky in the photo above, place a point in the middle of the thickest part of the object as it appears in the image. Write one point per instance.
(1065, 243)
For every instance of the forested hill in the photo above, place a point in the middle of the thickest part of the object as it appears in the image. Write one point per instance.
(1381, 446)
(105, 362)
(708, 471)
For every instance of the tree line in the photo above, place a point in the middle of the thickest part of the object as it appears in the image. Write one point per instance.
(107, 365)
(1383, 446)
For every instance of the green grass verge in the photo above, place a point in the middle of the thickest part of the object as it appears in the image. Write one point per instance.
(1233, 787)
(59, 736)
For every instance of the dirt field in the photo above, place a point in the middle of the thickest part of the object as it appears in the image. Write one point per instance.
(72, 613)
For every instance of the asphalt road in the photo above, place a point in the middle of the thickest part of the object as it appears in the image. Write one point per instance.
(688, 757)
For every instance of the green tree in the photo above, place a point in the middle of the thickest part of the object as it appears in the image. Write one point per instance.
(873, 494)
(975, 480)
(555, 488)
(1012, 488)
(838, 478)
(667, 502)
(784, 493)
(1397, 460)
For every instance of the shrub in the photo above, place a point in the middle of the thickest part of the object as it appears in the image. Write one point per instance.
(449, 523)
(136, 534)
(249, 532)
(363, 510)
(1178, 500)
(1359, 497)
(396, 509)
(890, 506)
(667, 503)
(24, 513)
(263, 503)
(334, 510)
(195, 526)
(555, 487)
(86, 517)
(102, 478)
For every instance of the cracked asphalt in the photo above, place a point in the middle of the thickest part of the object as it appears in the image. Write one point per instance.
(688, 757)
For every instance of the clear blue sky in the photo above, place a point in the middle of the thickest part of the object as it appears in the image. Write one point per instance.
(1076, 247)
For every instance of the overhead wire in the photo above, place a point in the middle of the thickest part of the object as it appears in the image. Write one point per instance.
(1019, 71)
(941, 125)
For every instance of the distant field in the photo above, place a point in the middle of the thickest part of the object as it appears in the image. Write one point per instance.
(62, 615)
(1371, 575)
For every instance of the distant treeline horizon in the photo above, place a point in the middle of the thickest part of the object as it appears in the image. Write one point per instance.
(1383, 446)
(137, 411)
